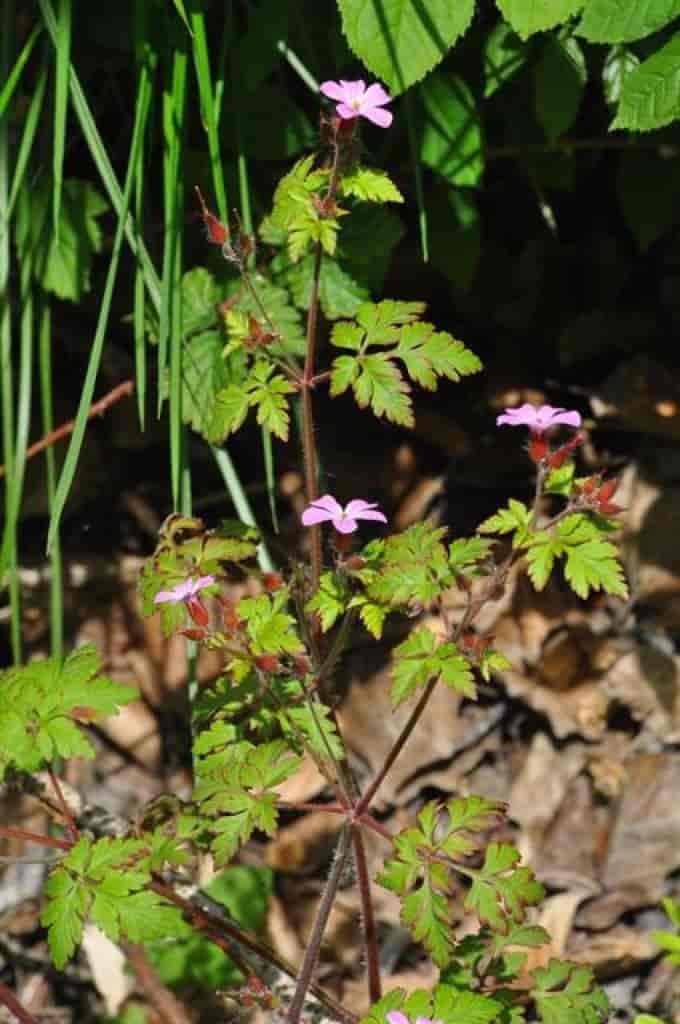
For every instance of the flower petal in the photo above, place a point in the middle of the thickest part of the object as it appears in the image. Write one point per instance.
(201, 583)
(320, 511)
(397, 1017)
(353, 90)
(358, 505)
(334, 90)
(375, 96)
(378, 116)
(569, 417)
(523, 416)
(343, 524)
(164, 596)
(345, 112)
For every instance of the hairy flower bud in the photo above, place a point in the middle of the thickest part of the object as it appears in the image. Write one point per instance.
(198, 611)
(538, 448)
(267, 662)
(272, 580)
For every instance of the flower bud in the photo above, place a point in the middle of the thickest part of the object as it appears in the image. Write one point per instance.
(272, 581)
(303, 665)
(558, 458)
(198, 611)
(194, 634)
(267, 662)
(354, 563)
(538, 448)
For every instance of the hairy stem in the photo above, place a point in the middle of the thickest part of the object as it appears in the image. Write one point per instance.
(215, 928)
(166, 1005)
(69, 821)
(8, 999)
(311, 956)
(367, 917)
(308, 444)
(33, 837)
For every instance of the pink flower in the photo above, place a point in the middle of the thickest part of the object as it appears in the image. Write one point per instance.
(355, 100)
(326, 509)
(184, 591)
(397, 1017)
(539, 419)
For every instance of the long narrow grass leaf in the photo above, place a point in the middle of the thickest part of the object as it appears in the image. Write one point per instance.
(147, 62)
(103, 164)
(300, 69)
(6, 362)
(61, 86)
(14, 76)
(417, 168)
(72, 455)
(207, 101)
(170, 332)
(44, 318)
(241, 503)
(28, 135)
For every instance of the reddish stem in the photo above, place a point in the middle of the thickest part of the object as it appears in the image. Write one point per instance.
(367, 917)
(8, 999)
(33, 837)
(69, 821)
(167, 1005)
(115, 395)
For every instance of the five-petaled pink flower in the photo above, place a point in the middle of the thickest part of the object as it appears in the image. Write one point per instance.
(397, 1017)
(353, 99)
(327, 509)
(184, 591)
(539, 419)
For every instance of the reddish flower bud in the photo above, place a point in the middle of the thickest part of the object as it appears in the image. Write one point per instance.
(538, 448)
(267, 662)
(342, 541)
(194, 634)
(303, 665)
(217, 232)
(354, 563)
(558, 458)
(198, 611)
(608, 489)
(272, 580)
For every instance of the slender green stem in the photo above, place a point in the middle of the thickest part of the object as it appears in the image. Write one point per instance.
(318, 928)
(56, 564)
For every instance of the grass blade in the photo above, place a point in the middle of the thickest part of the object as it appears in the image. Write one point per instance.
(14, 76)
(28, 135)
(71, 459)
(103, 164)
(207, 100)
(63, 63)
(46, 392)
(9, 544)
(170, 331)
(241, 503)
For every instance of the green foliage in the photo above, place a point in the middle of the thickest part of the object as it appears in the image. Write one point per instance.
(106, 881)
(191, 959)
(500, 890)
(668, 941)
(527, 17)
(63, 266)
(625, 21)
(263, 389)
(515, 519)
(451, 142)
(421, 659)
(402, 40)
(236, 790)
(564, 992)
(504, 55)
(394, 328)
(186, 550)
(45, 705)
(426, 859)
(560, 76)
(269, 626)
(410, 568)
(591, 562)
(650, 96)
(330, 600)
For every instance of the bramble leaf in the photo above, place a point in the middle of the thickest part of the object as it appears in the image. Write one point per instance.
(403, 40)
(650, 96)
(625, 21)
(528, 18)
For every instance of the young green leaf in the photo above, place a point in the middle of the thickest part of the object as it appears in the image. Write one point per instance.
(565, 991)
(330, 600)
(516, 517)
